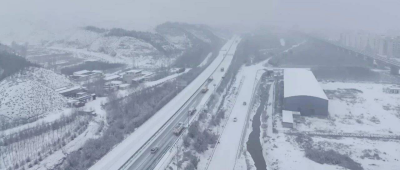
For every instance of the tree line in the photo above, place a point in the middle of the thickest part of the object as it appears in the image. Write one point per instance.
(28, 147)
(11, 63)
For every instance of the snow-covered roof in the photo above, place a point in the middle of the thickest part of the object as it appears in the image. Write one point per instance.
(112, 77)
(97, 71)
(301, 82)
(134, 71)
(116, 82)
(69, 89)
(124, 85)
(81, 72)
(287, 116)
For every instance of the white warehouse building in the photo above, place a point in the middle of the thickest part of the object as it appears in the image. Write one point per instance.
(302, 93)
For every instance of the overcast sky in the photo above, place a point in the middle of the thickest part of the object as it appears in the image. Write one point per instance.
(374, 15)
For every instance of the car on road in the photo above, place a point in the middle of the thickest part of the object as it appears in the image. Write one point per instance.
(244, 103)
(178, 129)
(154, 150)
(235, 119)
(204, 90)
(210, 78)
(192, 110)
(222, 69)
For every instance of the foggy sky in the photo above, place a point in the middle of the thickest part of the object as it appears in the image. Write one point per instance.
(374, 15)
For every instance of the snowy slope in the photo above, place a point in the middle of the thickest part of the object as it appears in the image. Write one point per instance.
(31, 93)
(78, 39)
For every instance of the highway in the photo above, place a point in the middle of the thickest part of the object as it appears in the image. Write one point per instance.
(147, 160)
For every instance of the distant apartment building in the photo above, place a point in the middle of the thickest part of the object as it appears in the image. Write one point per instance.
(396, 47)
(371, 43)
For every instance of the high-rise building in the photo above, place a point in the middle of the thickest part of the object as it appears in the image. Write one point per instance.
(396, 47)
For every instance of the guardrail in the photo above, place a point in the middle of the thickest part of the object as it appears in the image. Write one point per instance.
(168, 121)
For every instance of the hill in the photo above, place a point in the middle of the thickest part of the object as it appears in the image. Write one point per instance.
(30, 94)
(10, 62)
(135, 48)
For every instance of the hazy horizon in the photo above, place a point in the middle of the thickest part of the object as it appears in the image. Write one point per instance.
(26, 16)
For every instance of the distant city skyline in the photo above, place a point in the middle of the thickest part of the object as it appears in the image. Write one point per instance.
(22, 16)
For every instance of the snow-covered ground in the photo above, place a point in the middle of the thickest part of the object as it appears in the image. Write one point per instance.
(165, 79)
(31, 94)
(123, 151)
(93, 131)
(371, 154)
(361, 108)
(358, 108)
(124, 93)
(227, 151)
(205, 61)
(283, 153)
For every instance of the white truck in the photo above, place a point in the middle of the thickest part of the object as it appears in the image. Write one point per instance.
(204, 90)
(178, 129)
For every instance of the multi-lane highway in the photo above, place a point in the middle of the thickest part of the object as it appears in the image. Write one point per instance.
(133, 152)
(166, 138)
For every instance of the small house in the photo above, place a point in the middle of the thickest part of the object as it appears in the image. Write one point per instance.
(391, 90)
(287, 119)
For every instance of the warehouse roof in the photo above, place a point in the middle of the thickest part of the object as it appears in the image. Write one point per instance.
(302, 82)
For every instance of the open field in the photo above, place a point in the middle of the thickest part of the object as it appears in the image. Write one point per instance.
(357, 108)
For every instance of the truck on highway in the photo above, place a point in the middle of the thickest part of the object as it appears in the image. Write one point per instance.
(154, 150)
(178, 129)
(192, 111)
(204, 90)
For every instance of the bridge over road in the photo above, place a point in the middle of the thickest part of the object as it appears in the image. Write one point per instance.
(373, 58)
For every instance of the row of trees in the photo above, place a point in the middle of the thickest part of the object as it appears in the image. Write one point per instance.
(30, 146)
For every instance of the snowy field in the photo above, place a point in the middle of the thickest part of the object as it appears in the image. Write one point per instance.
(284, 153)
(357, 108)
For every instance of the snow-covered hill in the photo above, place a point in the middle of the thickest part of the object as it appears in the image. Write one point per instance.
(140, 49)
(31, 93)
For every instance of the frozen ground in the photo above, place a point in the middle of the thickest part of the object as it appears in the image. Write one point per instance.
(123, 151)
(361, 108)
